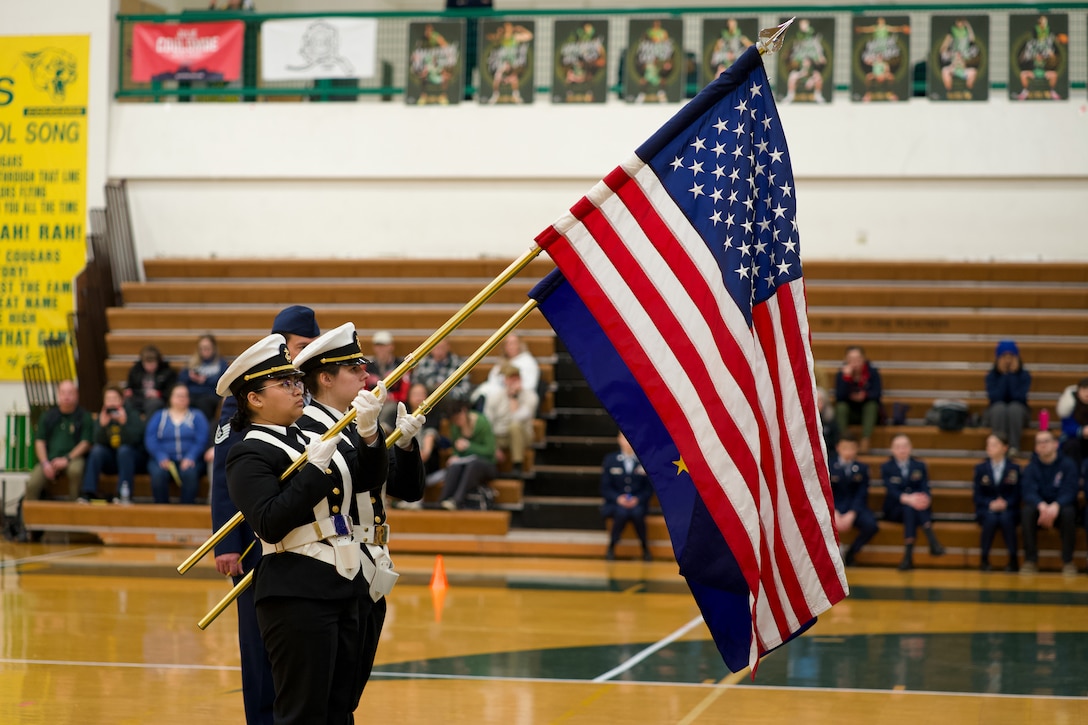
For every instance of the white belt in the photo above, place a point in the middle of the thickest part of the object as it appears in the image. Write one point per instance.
(344, 553)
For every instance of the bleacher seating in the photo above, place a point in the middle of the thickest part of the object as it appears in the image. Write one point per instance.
(930, 327)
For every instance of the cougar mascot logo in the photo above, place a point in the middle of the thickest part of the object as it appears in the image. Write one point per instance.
(52, 70)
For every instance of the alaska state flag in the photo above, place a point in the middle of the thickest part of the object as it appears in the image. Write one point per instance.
(679, 294)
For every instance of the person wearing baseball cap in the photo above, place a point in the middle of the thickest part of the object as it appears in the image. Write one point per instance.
(298, 326)
(306, 586)
(335, 376)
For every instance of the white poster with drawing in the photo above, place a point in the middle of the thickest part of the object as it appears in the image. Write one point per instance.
(318, 48)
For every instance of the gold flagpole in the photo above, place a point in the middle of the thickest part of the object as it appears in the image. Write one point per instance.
(410, 361)
(424, 408)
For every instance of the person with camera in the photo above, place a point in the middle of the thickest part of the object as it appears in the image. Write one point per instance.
(118, 448)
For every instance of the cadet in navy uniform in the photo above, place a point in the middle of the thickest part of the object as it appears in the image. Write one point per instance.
(850, 489)
(307, 584)
(997, 499)
(626, 490)
(298, 326)
(335, 371)
(1050, 485)
(907, 499)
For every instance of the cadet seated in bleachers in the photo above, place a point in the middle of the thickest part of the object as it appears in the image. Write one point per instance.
(1050, 486)
(997, 499)
(850, 490)
(907, 498)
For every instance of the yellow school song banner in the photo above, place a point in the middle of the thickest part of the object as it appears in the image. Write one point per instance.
(43, 190)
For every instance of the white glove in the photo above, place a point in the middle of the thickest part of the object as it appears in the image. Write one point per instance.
(319, 452)
(367, 406)
(408, 425)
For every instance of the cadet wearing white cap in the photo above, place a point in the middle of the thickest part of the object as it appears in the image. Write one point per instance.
(335, 373)
(307, 584)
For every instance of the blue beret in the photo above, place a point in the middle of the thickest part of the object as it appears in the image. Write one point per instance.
(296, 320)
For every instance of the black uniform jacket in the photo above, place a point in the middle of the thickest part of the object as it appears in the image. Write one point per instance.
(274, 508)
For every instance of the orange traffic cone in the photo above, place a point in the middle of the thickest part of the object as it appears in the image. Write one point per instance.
(438, 601)
(438, 578)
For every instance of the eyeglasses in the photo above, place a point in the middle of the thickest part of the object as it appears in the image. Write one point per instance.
(288, 384)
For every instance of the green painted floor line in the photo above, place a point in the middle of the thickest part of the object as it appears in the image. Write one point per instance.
(988, 663)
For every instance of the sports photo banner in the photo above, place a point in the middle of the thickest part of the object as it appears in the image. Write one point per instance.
(318, 48)
(1039, 57)
(806, 62)
(43, 190)
(436, 69)
(581, 61)
(881, 69)
(654, 70)
(959, 59)
(187, 51)
(724, 39)
(506, 61)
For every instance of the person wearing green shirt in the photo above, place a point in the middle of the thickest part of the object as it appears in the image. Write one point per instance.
(472, 466)
(61, 443)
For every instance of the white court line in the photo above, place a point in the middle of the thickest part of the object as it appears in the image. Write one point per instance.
(6, 563)
(130, 665)
(623, 667)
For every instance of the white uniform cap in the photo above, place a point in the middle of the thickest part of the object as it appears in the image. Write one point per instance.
(336, 347)
(267, 358)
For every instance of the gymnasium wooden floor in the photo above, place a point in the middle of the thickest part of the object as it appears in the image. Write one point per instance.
(108, 635)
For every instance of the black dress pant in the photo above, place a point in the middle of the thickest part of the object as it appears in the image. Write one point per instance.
(1066, 523)
(371, 621)
(313, 645)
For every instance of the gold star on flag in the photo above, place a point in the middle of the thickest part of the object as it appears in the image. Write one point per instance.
(681, 467)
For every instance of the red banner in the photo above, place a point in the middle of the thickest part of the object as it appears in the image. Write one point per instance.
(187, 51)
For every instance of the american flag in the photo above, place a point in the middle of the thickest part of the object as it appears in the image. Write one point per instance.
(687, 260)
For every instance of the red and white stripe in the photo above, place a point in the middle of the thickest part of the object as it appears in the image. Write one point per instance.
(739, 402)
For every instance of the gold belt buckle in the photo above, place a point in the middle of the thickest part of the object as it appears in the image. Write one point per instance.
(381, 534)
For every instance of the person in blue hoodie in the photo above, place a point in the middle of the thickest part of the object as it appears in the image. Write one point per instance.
(1007, 387)
(176, 438)
(997, 499)
(1050, 486)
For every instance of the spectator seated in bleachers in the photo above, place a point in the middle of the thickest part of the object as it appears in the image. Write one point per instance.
(429, 440)
(626, 490)
(471, 468)
(380, 363)
(149, 381)
(202, 374)
(437, 366)
(61, 443)
(516, 353)
(118, 449)
(997, 500)
(176, 439)
(1050, 486)
(1073, 410)
(1007, 387)
(907, 498)
(511, 410)
(857, 395)
(850, 491)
